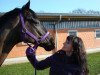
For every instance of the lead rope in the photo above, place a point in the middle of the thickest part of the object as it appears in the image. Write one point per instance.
(33, 49)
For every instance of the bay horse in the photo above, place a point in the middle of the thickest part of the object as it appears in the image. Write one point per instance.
(11, 30)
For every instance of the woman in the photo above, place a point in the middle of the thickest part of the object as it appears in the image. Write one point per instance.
(70, 60)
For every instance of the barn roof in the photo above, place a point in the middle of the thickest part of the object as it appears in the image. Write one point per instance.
(68, 16)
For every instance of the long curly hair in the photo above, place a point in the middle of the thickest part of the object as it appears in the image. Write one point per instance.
(79, 53)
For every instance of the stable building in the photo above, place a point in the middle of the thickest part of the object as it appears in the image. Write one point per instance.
(60, 25)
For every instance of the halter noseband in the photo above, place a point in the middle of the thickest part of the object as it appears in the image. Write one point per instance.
(25, 31)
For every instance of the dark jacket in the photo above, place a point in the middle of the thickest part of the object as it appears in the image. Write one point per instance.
(59, 63)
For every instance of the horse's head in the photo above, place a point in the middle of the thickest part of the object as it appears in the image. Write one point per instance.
(33, 25)
(11, 30)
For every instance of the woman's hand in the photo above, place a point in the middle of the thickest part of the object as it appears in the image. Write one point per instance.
(30, 51)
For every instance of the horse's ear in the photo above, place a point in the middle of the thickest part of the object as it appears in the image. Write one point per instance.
(26, 6)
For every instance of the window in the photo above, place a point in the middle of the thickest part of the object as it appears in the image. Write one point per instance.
(72, 32)
(97, 33)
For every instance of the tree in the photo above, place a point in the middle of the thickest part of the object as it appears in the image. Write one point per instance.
(79, 11)
(82, 11)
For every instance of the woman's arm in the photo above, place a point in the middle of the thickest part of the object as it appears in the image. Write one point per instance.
(38, 64)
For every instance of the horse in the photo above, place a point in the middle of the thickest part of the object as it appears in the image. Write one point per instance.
(11, 30)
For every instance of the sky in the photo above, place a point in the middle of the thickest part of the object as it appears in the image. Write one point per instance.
(51, 6)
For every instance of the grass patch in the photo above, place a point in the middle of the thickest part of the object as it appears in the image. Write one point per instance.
(27, 69)
(94, 63)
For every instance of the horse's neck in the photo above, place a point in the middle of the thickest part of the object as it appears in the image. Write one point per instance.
(7, 36)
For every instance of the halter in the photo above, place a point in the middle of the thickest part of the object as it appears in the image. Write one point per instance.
(26, 32)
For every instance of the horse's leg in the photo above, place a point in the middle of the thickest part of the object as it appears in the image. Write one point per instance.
(3, 57)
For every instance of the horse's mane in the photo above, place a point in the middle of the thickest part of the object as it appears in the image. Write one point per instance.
(8, 15)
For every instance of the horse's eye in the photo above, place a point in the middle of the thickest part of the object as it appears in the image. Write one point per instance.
(38, 22)
(31, 19)
(28, 18)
